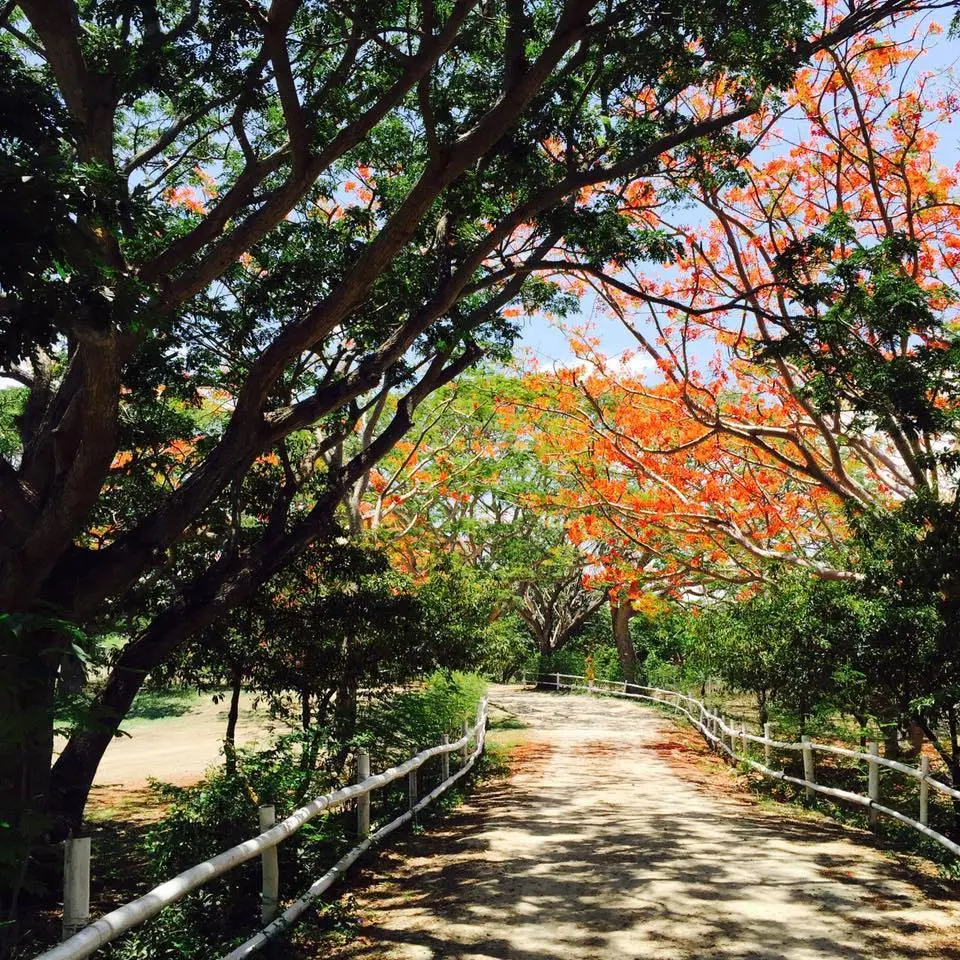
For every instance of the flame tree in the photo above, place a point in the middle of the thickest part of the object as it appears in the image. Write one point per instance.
(803, 406)
(466, 495)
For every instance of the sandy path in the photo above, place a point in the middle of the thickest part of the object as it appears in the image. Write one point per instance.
(597, 847)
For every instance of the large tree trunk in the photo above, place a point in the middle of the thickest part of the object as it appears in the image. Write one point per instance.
(76, 767)
(620, 615)
(220, 589)
(27, 687)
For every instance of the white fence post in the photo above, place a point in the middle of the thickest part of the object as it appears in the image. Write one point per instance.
(558, 681)
(412, 789)
(743, 739)
(269, 867)
(363, 801)
(465, 752)
(809, 773)
(873, 779)
(445, 761)
(766, 747)
(76, 885)
(924, 791)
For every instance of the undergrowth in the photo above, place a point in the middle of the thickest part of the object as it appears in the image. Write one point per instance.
(202, 820)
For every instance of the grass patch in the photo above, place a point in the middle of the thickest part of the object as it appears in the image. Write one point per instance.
(497, 758)
(508, 723)
(163, 704)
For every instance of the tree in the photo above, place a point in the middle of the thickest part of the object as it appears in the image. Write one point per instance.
(335, 621)
(826, 278)
(303, 206)
(788, 644)
(743, 449)
(469, 485)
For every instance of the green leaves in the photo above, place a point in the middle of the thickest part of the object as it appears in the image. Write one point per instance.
(872, 339)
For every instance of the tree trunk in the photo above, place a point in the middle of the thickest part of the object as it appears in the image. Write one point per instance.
(305, 708)
(954, 764)
(345, 708)
(916, 737)
(891, 741)
(620, 614)
(75, 769)
(233, 714)
(344, 717)
(861, 719)
(543, 645)
(27, 700)
(762, 713)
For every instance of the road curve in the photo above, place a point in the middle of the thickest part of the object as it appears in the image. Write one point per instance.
(598, 847)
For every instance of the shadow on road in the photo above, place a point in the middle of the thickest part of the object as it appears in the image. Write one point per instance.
(597, 848)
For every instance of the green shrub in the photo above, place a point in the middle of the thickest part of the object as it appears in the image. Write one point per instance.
(572, 659)
(400, 724)
(221, 811)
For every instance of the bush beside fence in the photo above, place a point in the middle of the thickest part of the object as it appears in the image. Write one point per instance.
(81, 940)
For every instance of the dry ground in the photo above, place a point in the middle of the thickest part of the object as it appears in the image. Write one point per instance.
(176, 749)
(606, 842)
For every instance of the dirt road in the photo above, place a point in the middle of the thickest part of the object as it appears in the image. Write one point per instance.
(599, 847)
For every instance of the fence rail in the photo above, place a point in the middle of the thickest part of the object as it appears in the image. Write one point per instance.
(117, 922)
(721, 735)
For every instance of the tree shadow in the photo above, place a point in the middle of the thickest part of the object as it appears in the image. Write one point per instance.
(536, 871)
(161, 704)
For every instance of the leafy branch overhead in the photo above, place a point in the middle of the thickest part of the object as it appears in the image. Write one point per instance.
(246, 242)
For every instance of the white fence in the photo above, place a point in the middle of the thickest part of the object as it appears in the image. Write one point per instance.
(733, 741)
(112, 925)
